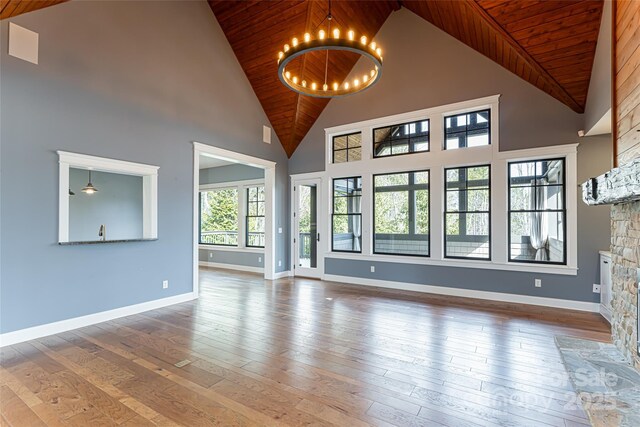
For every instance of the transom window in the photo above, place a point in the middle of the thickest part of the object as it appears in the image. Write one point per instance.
(401, 213)
(537, 211)
(401, 139)
(467, 212)
(347, 215)
(255, 216)
(467, 130)
(347, 148)
(219, 217)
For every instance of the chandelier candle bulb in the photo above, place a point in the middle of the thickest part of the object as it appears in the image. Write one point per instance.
(321, 34)
(373, 45)
(356, 82)
(379, 51)
(294, 42)
(307, 37)
(295, 79)
(304, 83)
(363, 40)
(365, 78)
(336, 33)
(286, 48)
(287, 75)
(346, 85)
(313, 86)
(351, 35)
(280, 55)
(335, 86)
(325, 87)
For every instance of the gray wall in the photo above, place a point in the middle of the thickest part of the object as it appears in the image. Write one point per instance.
(136, 81)
(425, 67)
(117, 204)
(230, 173)
(599, 95)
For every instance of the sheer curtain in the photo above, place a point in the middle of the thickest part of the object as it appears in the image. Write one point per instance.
(355, 220)
(539, 234)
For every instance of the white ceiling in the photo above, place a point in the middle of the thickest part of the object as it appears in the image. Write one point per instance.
(207, 162)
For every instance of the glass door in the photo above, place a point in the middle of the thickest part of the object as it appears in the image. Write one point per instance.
(306, 231)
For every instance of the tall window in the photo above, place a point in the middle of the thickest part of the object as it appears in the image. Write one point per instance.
(467, 214)
(537, 212)
(347, 215)
(467, 130)
(219, 217)
(401, 213)
(401, 139)
(255, 216)
(347, 148)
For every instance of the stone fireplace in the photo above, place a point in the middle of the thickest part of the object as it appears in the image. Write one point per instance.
(621, 188)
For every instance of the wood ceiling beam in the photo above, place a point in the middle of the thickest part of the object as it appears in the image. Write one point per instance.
(547, 78)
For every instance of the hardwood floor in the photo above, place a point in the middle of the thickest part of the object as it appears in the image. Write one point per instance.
(302, 352)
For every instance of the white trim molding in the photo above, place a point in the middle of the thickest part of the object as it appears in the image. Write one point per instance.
(436, 160)
(269, 167)
(149, 176)
(282, 275)
(237, 267)
(468, 293)
(40, 331)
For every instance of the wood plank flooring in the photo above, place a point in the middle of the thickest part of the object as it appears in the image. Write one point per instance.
(299, 352)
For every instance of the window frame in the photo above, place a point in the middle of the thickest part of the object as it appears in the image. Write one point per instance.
(241, 186)
(373, 139)
(466, 139)
(247, 210)
(563, 211)
(444, 221)
(436, 160)
(333, 214)
(346, 150)
(200, 242)
(373, 211)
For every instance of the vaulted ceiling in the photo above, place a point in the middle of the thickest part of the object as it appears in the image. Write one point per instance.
(549, 43)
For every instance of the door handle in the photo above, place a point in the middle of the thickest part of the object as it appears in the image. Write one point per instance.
(318, 237)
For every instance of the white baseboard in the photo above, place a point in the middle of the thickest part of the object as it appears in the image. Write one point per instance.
(281, 275)
(40, 331)
(467, 293)
(605, 312)
(231, 266)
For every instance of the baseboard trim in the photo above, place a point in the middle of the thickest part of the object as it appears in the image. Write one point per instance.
(605, 312)
(281, 274)
(468, 293)
(231, 266)
(40, 331)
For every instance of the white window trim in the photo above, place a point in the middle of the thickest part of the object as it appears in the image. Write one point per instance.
(436, 160)
(241, 186)
(149, 174)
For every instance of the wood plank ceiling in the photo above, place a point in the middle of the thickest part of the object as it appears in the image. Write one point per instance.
(549, 43)
(10, 8)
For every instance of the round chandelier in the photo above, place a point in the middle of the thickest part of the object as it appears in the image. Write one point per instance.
(328, 41)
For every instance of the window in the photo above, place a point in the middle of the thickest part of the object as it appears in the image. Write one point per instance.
(347, 215)
(467, 130)
(347, 148)
(255, 217)
(467, 213)
(401, 139)
(537, 212)
(401, 213)
(219, 217)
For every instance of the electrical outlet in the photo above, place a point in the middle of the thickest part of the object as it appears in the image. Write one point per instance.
(538, 283)
(165, 284)
(373, 268)
(259, 259)
(210, 254)
(596, 289)
(279, 230)
(279, 263)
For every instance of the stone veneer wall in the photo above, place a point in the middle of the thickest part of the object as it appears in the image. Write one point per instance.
(625, 257)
